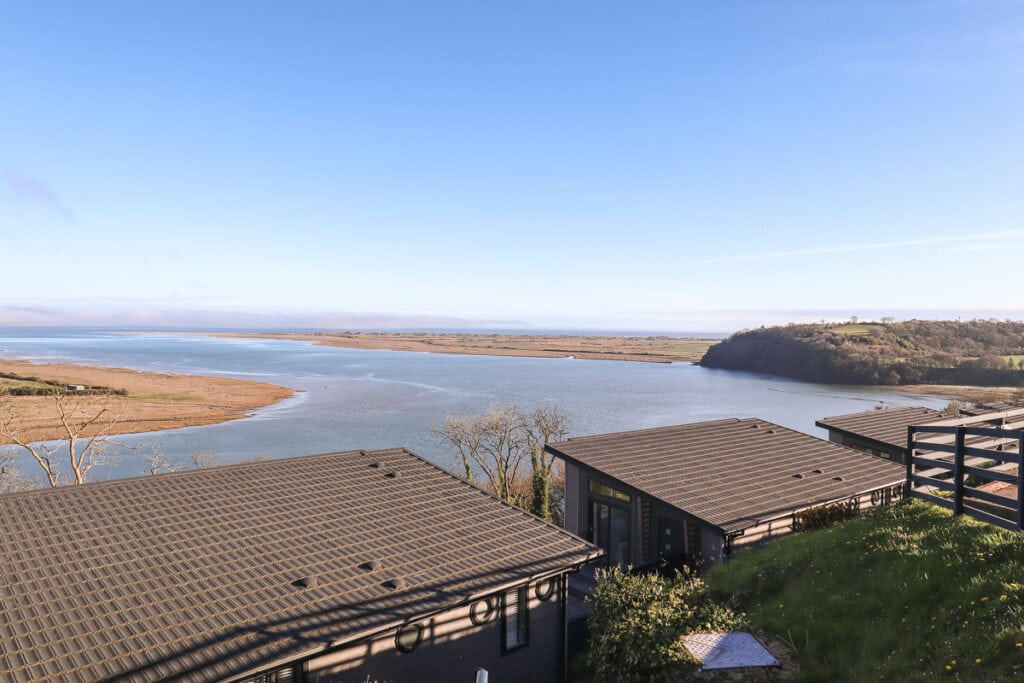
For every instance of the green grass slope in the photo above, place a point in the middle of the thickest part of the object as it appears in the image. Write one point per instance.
(907, 592)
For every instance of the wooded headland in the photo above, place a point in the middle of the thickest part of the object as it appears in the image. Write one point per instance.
(977, 352)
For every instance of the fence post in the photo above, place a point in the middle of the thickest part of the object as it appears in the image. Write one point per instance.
(958, 471)
(1020, 482)
(908, 457)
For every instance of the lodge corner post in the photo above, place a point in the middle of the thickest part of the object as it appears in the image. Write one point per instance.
(1020, 482)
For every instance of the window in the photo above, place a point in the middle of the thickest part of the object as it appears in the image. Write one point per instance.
(605, 490)
(516, 619)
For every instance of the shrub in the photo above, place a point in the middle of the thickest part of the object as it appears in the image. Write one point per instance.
(637, 622)
(824, 516)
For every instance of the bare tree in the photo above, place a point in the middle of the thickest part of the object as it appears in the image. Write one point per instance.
(158, 462)
(11, 478)
(87, 426)
(491, 442)
(545, 426)
(203, 459)
(497, 443)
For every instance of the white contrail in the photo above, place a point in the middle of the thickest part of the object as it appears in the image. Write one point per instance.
(868, 246)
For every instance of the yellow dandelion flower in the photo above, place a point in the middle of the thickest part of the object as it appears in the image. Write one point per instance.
(977, 661)
(1020, 644)
(1004, 597)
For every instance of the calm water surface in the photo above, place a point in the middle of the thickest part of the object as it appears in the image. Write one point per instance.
(354, 398)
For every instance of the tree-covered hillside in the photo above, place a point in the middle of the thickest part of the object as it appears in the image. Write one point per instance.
(977, 352)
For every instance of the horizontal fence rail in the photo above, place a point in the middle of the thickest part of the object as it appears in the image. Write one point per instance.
(949, 465)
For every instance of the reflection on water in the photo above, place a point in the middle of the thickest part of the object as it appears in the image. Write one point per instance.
(354, 398)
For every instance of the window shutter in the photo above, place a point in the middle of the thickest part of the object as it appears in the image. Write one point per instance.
(516, 618)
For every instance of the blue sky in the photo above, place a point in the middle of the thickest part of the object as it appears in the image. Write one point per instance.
(654, 166)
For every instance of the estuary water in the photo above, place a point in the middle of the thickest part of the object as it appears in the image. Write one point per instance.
(353, 398)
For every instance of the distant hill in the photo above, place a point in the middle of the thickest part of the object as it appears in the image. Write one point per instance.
(977, 352)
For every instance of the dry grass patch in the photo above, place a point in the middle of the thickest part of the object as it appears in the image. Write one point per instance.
(153, 400)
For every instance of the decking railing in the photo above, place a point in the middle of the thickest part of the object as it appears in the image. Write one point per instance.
(947, 464)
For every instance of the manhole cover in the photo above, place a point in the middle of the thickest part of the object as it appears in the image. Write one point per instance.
(728, 651)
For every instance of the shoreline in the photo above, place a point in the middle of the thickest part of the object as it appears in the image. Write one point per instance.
(589, 347)
(970, 394)
(154, 401)
(584, 347)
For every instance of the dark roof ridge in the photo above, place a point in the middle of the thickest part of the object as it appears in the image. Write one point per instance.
(197, 472)
(723, 420)
(881, 410)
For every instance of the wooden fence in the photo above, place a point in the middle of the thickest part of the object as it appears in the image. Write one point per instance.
(957, 466)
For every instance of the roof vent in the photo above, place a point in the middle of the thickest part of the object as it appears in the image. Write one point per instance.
(771, 431)
(391, 475)
(305, 582)
(374, 464)
(838, 478)
(819, 471)
(798, 476)
(755, 426)
(370, 565)
(395, 584)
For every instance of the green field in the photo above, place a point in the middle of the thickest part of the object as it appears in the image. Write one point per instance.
(861, 330)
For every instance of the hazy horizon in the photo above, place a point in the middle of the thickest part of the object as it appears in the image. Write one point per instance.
(670, 166)
(711, 323)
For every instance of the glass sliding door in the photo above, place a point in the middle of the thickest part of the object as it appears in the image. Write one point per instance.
(609, 526)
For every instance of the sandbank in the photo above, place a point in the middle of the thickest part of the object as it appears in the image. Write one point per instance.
(645, 349)
(153, 401)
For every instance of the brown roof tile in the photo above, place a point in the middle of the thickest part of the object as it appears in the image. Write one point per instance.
(887, 425)
(731, 473)
(191, 575)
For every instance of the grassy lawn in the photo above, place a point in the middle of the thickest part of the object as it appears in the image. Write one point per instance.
(689, 349)
(908, 592)
(6, 383)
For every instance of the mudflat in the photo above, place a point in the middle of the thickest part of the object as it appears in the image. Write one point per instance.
(647, 349)
(151, 400)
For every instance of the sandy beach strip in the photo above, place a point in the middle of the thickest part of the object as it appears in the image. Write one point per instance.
(153, 401)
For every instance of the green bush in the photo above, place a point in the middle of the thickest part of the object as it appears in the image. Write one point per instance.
(637, 622)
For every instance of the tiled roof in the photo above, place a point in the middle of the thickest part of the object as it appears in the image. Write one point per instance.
(731, 473)
(996, 407)
(192, 575)
(888, 425)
